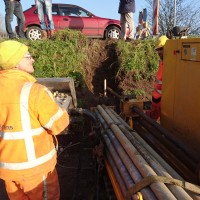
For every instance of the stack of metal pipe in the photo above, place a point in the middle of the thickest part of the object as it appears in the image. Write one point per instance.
(132, 159)
(180, 156)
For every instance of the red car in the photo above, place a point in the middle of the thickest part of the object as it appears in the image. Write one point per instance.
(72, 17)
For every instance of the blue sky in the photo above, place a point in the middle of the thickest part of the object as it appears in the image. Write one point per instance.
(101, 8)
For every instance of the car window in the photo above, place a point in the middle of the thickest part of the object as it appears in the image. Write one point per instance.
(73, 11)
(55, 10)
(84, 13)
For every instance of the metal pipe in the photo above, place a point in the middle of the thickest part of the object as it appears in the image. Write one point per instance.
(188, 160)
(136, 176)
(125, 98)
(92, 117)
(116, 180)
(128, 163)
(105, 88)
(176, 153)
(165, 152)
(148, 147)
(133, 171)
(81, 111)
(174, 13)
(191, 154)
(178, 192)
(135, 138)
(102, 121)
(114, 93)
(159, 189)
(152, 140)
(120, 166)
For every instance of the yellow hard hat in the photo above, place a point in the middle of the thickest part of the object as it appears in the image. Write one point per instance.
(161, 42)
(11, 53)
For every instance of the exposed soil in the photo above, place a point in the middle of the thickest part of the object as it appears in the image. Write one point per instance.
(103, 64)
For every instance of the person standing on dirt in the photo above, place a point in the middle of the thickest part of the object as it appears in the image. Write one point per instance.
(126, 10)
(157, 92)
(29, 121)
(14, 7)
(44, 7)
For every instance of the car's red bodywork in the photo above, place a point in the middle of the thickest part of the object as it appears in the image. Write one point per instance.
(77, 18)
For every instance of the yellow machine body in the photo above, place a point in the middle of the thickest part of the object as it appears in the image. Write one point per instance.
(180, 105)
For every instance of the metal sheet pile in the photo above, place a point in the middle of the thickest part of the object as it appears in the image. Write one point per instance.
(132, 161)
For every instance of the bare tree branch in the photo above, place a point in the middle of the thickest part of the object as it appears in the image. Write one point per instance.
(187, 14)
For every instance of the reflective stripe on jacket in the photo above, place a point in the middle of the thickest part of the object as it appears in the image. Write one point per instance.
(158, 82)
(29, 117)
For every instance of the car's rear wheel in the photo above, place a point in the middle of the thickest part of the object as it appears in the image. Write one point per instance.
(34, 33)
(112, 32)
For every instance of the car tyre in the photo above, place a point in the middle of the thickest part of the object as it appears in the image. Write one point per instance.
(34, 33)
(112, 32)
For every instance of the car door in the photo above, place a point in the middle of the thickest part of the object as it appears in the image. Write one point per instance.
(56, 16)
(76, 18)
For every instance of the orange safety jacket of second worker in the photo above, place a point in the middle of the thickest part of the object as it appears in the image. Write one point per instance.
(28, 120)
(157, 93)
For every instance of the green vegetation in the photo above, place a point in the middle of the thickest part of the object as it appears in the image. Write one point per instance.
(61, 57)
(138, 58)
(67, 55)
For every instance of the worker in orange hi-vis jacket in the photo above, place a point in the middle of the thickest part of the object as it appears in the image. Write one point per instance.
(157, 92)
(29, 120)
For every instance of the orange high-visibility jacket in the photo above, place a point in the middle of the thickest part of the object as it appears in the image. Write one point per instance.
(29, 117)
(157, 93)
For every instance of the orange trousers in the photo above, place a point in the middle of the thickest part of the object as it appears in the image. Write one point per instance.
(42, 187)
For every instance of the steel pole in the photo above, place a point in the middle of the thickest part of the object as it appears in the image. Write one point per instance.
(174, 13)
